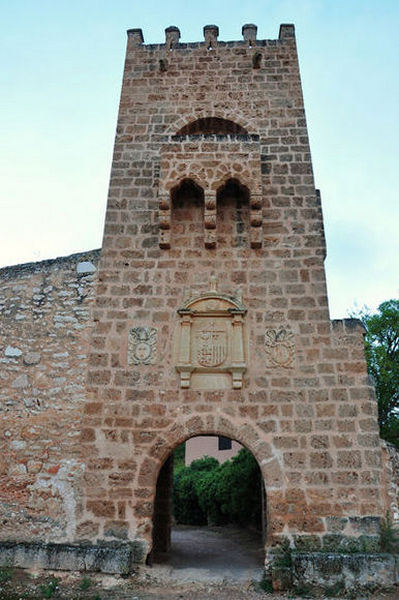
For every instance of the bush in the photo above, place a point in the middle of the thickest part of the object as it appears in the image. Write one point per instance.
(239, 489)
(206, 492)
(179, 458)
(186, 507)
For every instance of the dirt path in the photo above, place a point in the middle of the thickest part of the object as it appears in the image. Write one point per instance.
(213, 554)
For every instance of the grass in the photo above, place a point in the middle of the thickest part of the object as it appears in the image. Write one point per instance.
(48, 589)
(85, 583)
(6, 574)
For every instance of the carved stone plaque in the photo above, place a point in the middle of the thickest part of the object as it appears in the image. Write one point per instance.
(279, 347)
(210, 344)
(142, 345)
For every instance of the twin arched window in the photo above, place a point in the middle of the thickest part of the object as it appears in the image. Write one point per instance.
(220, 219)
(194, 216)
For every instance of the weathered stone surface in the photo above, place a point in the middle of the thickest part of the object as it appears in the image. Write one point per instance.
(105, 558)
(42, 396)
(22, 381)
(32, 358)
(85, 267)
(12, 352)
(351, 572)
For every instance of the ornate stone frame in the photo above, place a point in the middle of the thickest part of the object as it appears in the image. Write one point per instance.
(211, 338)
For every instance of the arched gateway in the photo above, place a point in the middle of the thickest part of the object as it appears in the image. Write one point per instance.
(161, 489)
(210, 316)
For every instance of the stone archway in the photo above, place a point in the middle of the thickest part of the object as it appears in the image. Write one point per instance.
(212, 125)
(241, 121)
(157, 527)
(188, 536)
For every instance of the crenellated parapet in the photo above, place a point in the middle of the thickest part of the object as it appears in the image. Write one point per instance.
(211, 38)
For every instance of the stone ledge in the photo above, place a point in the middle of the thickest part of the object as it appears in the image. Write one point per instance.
(357, 570)
(112, 558)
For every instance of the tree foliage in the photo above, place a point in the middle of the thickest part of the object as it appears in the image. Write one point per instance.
(382, 354)
(186, 507)
(206, 492)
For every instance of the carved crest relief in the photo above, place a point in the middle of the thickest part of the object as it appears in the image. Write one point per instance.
(211, 345)
(142, 345)
(279, 347)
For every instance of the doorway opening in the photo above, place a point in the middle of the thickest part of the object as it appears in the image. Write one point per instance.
(209, 510)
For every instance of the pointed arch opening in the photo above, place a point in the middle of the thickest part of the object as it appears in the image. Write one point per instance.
(212, 125)
(187, 215)
(210, 506)
(232, 215)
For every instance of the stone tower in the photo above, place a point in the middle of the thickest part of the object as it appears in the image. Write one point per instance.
(211, 312)
(209, 317)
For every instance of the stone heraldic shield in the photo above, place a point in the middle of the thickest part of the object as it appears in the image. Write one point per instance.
(212, 346)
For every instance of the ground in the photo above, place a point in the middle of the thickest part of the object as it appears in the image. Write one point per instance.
(77, 586)
(208, 563)
(214, 554)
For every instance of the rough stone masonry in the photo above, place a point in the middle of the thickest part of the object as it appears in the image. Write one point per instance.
(206, 313)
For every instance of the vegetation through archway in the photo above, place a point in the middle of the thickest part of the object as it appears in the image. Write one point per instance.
(210, 494)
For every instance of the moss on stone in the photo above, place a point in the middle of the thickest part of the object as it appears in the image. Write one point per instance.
(307, 543)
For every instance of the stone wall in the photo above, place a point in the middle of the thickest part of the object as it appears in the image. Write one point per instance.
(345, 574)
(45, 310)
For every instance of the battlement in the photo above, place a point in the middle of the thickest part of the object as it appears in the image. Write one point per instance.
(211, 41)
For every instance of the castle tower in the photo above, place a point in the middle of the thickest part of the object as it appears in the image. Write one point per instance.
(211, 312)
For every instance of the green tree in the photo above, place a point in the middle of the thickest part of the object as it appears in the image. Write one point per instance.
(206, 492)
(186, 506)
(239, 489)
(382, 354)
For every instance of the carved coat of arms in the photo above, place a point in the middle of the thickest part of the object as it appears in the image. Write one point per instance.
(212, 346)
(142, 345)
(279, 347)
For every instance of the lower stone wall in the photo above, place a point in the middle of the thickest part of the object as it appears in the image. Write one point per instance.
(121, 559)
(343, 572)
(345, 534)
(333, 572)
(45, 326)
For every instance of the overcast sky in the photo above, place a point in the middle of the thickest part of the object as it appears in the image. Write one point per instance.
(60, 77)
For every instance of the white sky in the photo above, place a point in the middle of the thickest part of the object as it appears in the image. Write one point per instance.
(60, 76)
